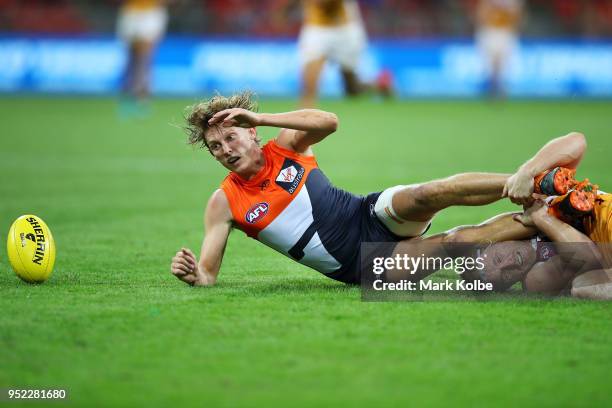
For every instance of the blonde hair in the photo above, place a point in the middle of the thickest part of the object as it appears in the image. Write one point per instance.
(199, 114)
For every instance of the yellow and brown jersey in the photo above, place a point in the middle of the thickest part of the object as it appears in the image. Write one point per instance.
(329, 13)
(500, 14)
(599, 226)
(142, 4)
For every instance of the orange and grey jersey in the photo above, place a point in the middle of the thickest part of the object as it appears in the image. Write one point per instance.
(292, 207)
(330, 13)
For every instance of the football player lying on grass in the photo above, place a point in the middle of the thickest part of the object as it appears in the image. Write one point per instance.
(277, 194)
(575, 217)
(578, 258)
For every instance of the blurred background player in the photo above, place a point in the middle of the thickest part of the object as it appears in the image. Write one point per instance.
(141, 24)
(333, 31)
(498, 23)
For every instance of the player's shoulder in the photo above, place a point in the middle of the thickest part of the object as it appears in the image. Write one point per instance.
(218, 198)
(218, 204)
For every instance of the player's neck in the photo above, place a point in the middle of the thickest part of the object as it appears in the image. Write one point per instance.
(258, 162)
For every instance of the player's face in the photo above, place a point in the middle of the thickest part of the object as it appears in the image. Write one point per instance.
(234, 147)
(507, 262)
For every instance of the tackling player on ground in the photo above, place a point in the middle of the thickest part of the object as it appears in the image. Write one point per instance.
(578, 221)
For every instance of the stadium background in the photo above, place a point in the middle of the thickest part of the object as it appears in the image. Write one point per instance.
(121, 196)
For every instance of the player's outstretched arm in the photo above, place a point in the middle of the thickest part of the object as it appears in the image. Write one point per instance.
(217, 223)
(564, 151)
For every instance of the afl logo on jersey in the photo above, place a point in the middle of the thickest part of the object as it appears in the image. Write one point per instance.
(256, 213)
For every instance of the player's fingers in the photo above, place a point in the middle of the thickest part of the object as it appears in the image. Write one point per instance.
(184, 262)
(539, 203)
(190, 279)
(179, 256)
(222, 113)
(505, 192)
(230, 119)
(520, 218)
(178, 268)
(218, 117)
(190, 255)
(538, 197)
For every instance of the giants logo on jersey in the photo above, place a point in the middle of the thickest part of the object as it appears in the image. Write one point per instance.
(256, 213)
(290, 176)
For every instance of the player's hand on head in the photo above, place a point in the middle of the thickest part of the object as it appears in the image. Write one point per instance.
(185, 267)
(519, 188)
(235, 117)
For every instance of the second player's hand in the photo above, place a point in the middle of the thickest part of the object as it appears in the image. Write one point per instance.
(185, 267)
(532, 214)
(519, 188)
(235, 117)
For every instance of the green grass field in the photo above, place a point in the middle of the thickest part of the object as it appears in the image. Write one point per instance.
(121, 197)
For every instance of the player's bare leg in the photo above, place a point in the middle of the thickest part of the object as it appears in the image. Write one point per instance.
(310, 82)
(137, 84)
(497, 66)
(352, 85)
(420, 202)
(595, 284)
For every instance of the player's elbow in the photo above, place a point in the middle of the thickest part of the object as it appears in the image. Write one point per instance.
(577, 137)
(578, 140)
(331, 122)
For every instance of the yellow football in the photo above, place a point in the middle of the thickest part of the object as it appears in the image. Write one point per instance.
(31, 249)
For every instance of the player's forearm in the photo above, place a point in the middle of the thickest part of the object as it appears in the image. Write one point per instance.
(558, 231)
(309, 120)
(562, 151)
(574, 247)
